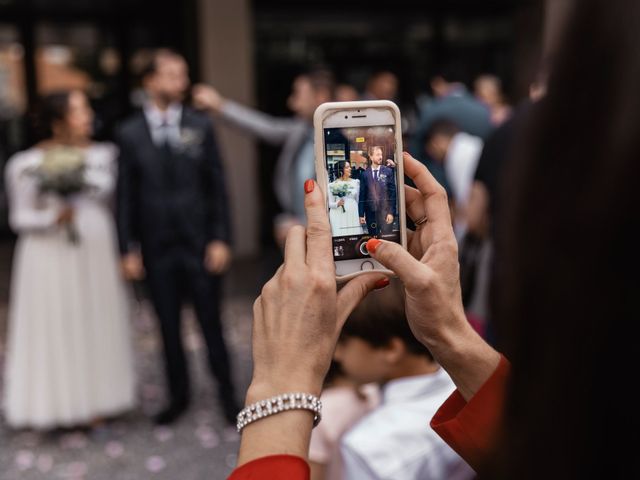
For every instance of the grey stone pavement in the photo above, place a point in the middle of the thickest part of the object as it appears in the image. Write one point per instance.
(198, 446)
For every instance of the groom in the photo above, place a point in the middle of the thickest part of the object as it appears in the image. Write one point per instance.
(377, 203)
(173, 222)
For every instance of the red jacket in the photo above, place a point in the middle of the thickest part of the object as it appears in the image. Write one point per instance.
(468, 427)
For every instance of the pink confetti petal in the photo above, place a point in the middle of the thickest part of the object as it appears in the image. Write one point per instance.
(73, 441)
(155, 464)
(73, 470)
(163, 434)
(205, 433)
(113, 449)
(24, 460)
(210, 443)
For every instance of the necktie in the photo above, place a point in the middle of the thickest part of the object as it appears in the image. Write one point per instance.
(375, 175)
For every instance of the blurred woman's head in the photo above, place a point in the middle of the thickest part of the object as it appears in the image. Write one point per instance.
(567, 270)
(66, 116)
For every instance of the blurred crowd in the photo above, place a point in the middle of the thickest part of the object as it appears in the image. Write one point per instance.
(152, 206)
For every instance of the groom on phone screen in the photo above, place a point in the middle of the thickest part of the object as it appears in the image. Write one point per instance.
(377, 204)
(173, 223)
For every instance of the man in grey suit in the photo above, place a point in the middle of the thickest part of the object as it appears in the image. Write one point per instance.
(295, 134)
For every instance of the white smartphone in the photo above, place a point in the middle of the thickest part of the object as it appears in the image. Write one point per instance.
(358, 150)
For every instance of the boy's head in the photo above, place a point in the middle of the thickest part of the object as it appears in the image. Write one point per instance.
(439, 138)
(376, 344)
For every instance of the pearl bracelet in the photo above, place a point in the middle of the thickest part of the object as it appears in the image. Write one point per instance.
(280, 403)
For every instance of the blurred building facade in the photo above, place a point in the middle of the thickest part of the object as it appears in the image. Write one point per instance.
(250, 50)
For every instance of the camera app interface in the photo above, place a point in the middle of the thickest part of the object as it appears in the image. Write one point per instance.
(363, 188)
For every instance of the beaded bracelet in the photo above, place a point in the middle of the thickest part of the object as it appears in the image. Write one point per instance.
(280, 403)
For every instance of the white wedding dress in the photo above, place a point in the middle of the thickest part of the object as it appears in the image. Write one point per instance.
(347, 221)
(69, 356)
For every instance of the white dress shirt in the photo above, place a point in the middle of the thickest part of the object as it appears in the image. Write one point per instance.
(395, 441)
(164, 125)
(460, 167)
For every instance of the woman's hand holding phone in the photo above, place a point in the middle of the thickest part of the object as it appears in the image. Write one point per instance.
(430, 273)
(296, 324)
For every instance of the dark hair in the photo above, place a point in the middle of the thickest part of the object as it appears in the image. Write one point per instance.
(151, 65)
(568, 275)
(453, 72)
(381, 317)
(340, 167)
(51, 108)
(321, 78)
(442, 126)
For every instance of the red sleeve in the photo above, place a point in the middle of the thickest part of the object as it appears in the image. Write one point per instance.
(470, 427)
(273, 467)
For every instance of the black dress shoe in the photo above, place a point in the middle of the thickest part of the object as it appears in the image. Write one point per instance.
(170, 414)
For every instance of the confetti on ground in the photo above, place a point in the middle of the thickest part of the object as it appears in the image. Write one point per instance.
(155, 464)
(114, 449)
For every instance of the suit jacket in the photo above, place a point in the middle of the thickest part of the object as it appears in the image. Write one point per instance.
(377, 196)
(169, 197)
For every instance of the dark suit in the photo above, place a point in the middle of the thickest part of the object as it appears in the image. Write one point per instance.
(377, 199)
(172, 202)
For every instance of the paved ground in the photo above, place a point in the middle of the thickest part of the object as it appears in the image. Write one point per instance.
(198, 447)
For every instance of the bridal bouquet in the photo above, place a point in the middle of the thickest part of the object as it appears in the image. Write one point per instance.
(62, 172)
(340, 191)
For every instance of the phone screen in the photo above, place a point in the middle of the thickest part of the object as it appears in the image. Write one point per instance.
(363, 187)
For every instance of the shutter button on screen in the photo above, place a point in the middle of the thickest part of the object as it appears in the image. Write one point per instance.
(366, 266)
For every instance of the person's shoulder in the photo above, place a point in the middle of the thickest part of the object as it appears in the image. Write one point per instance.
(23, 160)
(102, 151)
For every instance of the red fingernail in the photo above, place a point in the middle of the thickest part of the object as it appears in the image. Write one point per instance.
(383, 282)
(372, 245)
(309, 185)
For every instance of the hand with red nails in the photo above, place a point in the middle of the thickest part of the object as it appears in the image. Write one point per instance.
(429, 272)
(297, 321)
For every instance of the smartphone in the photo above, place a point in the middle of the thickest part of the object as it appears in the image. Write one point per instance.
(358, 151)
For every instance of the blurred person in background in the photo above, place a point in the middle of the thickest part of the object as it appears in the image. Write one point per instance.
(452, 102)
(488, 89)
(173, 223)
(457, 153)
(344, 402)
(376, 346)
(381, 85)
(346, 93)
(485, 204)
(297, 160)
(69, 358)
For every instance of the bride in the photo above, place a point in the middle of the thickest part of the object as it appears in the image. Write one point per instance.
(69, 358)
(343, 203)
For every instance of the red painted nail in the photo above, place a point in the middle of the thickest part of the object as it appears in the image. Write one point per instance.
(380, 284)
(309, 185)
(372, 245)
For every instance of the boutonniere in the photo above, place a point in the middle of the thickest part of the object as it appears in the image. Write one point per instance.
(383, 176)
(190, 138)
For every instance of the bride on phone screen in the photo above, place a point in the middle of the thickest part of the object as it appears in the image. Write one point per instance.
(343, 202)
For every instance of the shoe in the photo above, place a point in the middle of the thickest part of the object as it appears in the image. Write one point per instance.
(170, 414)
